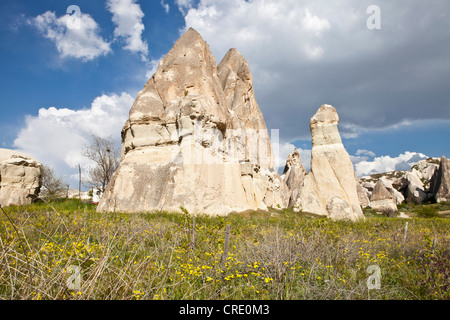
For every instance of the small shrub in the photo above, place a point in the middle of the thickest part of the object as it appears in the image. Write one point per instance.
(443, 206)
(427, 212)
(184, 210)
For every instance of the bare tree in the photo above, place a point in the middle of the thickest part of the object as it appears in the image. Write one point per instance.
(106, 158)
(53, 186)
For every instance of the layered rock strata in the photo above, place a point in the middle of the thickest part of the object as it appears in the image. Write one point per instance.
(196, 139)
(330, 188)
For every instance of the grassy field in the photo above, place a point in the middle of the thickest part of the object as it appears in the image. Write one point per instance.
(278, 255)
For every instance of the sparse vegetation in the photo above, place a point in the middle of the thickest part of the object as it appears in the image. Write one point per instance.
(106, 157)
(53, 186)
(427, 212)
(272, 255)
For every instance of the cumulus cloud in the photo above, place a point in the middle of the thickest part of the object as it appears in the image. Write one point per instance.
(165, 5)
(314, 24)
(184, 5)
(365, 152)
(56, 136)
(307, 53)
(386, 163)
(74, 36)
(127, 16)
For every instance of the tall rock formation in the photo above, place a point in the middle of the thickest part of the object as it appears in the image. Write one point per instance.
(248, 140)
(440, 182)
(20, 178)
(195, 138)
(293, 175)
(330, 188)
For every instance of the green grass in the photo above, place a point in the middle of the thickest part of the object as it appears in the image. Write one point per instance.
(428, 210)
(271, 255)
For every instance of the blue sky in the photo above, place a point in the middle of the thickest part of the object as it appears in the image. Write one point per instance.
(390, 86)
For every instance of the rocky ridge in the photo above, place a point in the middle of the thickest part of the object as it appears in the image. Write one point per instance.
(418, 185)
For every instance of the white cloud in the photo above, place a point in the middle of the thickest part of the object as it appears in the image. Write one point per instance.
(184, 5)
(306, 53)
(165, 5)
(358, 159)
(349, 130)
(386, 163)
(362, 155)
(56, 136)
(127, 16)
(80, 41)
(286, 27)
(315, 24)
(154, 63)
(365, 152)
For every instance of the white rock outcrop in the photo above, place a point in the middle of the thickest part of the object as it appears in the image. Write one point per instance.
(196, 139)
(20, 178)
(330, 188)
(415, 191)
(425, 169)
(382, 200)
(415, 185)
(399, 197)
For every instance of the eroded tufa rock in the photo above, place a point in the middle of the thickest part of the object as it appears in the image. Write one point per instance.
(330, 188)
(196, 139)
(382, 200)
(20, 178)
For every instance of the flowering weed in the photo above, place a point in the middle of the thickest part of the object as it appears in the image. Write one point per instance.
(279, 255)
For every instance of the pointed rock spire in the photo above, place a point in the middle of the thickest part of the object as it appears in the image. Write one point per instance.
(186, 143)
(330, 188)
